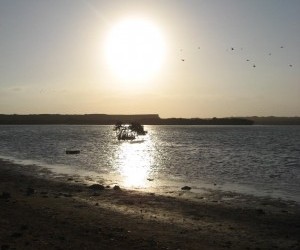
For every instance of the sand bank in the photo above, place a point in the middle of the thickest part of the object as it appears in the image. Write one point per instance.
(41, 211)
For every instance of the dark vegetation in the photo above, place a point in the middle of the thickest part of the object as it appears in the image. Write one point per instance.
(129, 131)
(273, 120)
(88, 119)
(148, 119)
(102, 119)
(213, 121)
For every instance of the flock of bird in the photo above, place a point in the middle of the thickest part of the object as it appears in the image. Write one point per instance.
(234, 49)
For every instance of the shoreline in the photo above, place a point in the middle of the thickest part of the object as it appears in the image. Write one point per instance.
(163, 187)
(39, 210)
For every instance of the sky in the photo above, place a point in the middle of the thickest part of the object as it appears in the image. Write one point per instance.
(192, 58)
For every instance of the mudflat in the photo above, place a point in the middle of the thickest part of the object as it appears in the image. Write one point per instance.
(41, 211)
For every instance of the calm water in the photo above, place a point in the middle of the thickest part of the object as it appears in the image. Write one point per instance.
(260, 160)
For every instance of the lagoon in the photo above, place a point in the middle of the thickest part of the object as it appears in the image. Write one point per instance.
(256, 160)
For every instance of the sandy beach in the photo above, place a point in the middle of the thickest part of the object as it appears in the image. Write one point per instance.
(42, 211)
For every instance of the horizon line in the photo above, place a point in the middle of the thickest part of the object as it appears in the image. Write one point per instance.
(156, 114)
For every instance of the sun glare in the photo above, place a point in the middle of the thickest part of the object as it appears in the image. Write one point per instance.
(134, 160)
(135, 49)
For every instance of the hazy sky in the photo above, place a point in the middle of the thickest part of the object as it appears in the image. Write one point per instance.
(215, 57)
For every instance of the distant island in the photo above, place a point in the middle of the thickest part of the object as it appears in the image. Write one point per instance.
(146, 119)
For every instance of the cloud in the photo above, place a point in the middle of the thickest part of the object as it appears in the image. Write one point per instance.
(16, 89)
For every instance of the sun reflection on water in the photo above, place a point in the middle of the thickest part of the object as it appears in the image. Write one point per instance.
(134, 163)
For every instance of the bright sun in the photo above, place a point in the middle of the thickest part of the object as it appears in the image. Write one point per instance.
(135, 49)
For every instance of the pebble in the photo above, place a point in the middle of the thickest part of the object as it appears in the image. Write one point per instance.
(16, 235)
(5, 195)
(5, 247)
(97, 187)
(260, 211)
(30, 191)
(24, 227)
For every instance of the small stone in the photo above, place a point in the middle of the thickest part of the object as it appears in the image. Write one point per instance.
(97, 187)
(16, 235)
(186, 188)
(61, 238)
(116, 187)
(5, 195)
(260, 211)
(67, 195)
(5, 247)
(30, 191)
(24, 227)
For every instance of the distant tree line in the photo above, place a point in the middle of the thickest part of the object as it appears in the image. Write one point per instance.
(88, 119)
(146, 119)
(213, 121)
(103, 119)
(274, 120)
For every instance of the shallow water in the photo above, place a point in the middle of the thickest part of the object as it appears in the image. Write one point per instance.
(260, 160)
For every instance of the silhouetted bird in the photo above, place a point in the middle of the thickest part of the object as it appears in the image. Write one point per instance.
(182, 60)
(254, 66)
(281, 47)
(232, 48)
(291, 65)
(247, 60)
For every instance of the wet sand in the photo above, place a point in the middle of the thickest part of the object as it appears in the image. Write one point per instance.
(41, 211)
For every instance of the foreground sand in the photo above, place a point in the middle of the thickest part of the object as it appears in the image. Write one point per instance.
(65, 213)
